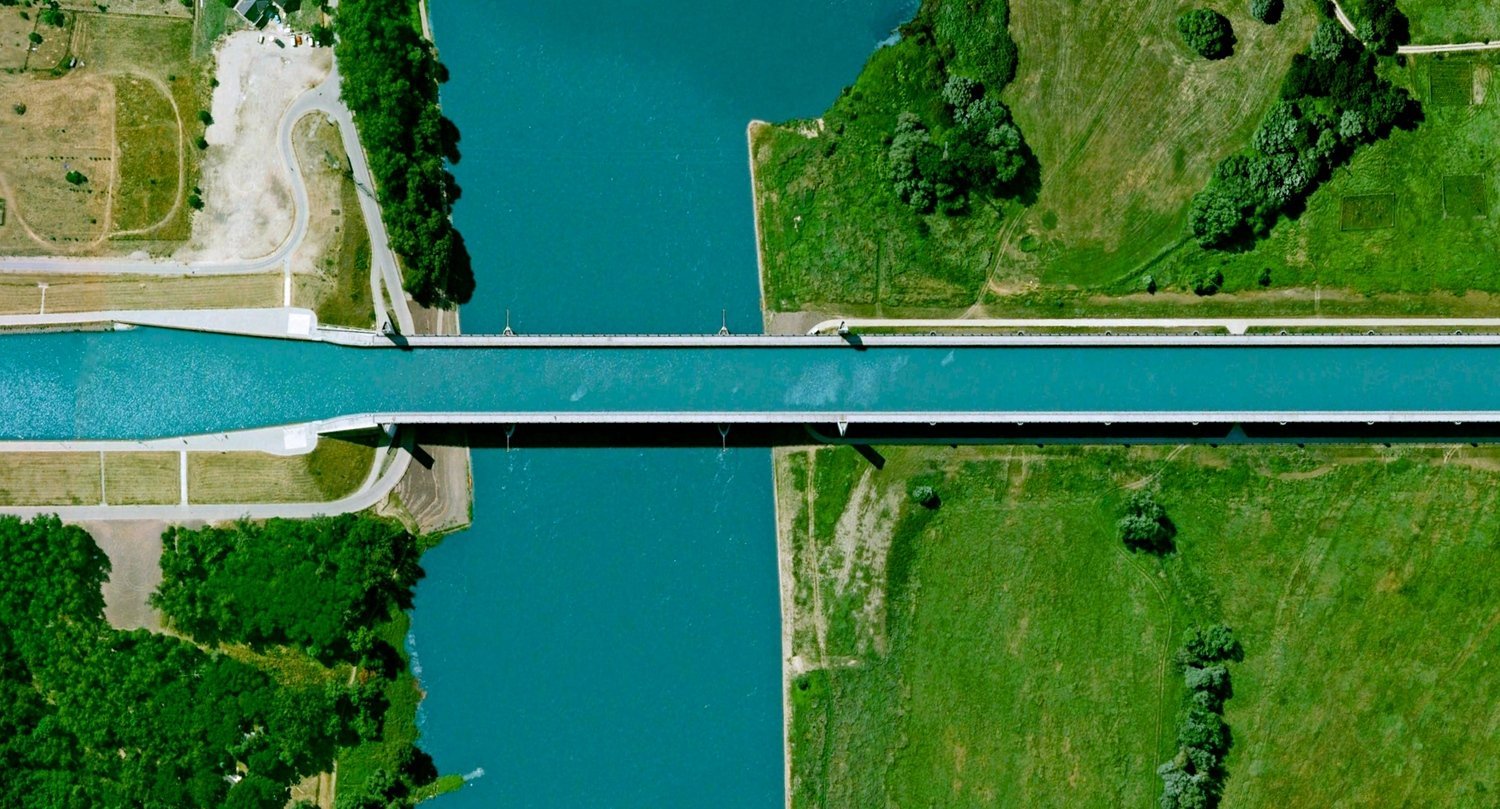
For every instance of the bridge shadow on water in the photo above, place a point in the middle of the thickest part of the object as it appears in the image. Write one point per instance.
(864, 436)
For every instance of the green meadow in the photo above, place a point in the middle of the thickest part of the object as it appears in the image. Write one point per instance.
(1004, 649)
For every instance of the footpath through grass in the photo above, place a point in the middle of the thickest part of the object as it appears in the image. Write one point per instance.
(1008, 651)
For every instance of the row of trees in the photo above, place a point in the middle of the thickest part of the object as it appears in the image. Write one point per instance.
(1194, 778)
(95, 717)
(978, 149)
(390, 81)
(1332, 102)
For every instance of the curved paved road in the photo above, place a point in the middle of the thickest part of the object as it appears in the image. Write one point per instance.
(323, 98)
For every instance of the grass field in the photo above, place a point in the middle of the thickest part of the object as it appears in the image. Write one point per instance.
(159, 49)
(141, 478)
(1127, 129)
(1437, 22)
(1017, 654)
(148, 133)
(21, 293)
(333, 470)
(49, 478)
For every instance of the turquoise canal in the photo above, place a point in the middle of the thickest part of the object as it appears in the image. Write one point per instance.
(608, 633)
(83, 387)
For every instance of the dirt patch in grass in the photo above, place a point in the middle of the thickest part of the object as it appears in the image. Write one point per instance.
(49, 479)
(134, 551)
(247, 195)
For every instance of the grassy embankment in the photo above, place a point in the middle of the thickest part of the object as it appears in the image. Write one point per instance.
(1011, 652)
(332, 470)
(340, 291)
(1127, 127)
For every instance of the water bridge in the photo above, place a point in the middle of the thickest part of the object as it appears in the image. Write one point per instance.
(89, 386)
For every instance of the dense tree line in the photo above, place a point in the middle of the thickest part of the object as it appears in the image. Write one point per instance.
(317, 585)
(1194, 778)
(976, 146)
(1332, 102)
(390, 81)
(95, 717)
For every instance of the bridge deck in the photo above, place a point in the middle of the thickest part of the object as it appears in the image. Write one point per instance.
(87, 386)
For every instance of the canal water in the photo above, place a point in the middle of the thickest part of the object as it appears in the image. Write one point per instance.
(607, 634)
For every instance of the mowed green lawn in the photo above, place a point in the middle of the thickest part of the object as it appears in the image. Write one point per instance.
(1024, 652)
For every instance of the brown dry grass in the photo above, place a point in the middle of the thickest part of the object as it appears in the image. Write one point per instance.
(19, 294)
(68, 125)
(49, 478)
(333, 470)
(154, 8)
(139, 478)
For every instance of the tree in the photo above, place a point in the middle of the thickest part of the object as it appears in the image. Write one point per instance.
(925, 496)
(1330, 41)
(75, 177)
(1182, 789)
(1212, 679)
(1144, 525)
(19, 108)
(205, 117)
(911, 149)
(1266, 11)
(1385, 28)
(1282, 130)
(1202, 645)
(1207, 32)
(34, 38)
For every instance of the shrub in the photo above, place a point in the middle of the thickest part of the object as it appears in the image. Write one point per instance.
(20, 109)
(1145, 525)
(1208, 644)
(205, 117)
(201, 142)
(1267, 11)
(926, 496)
(75, 178)
(1208, 282)
(195, 202)
(1207, 32)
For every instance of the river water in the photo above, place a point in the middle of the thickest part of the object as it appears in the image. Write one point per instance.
(607, 633)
